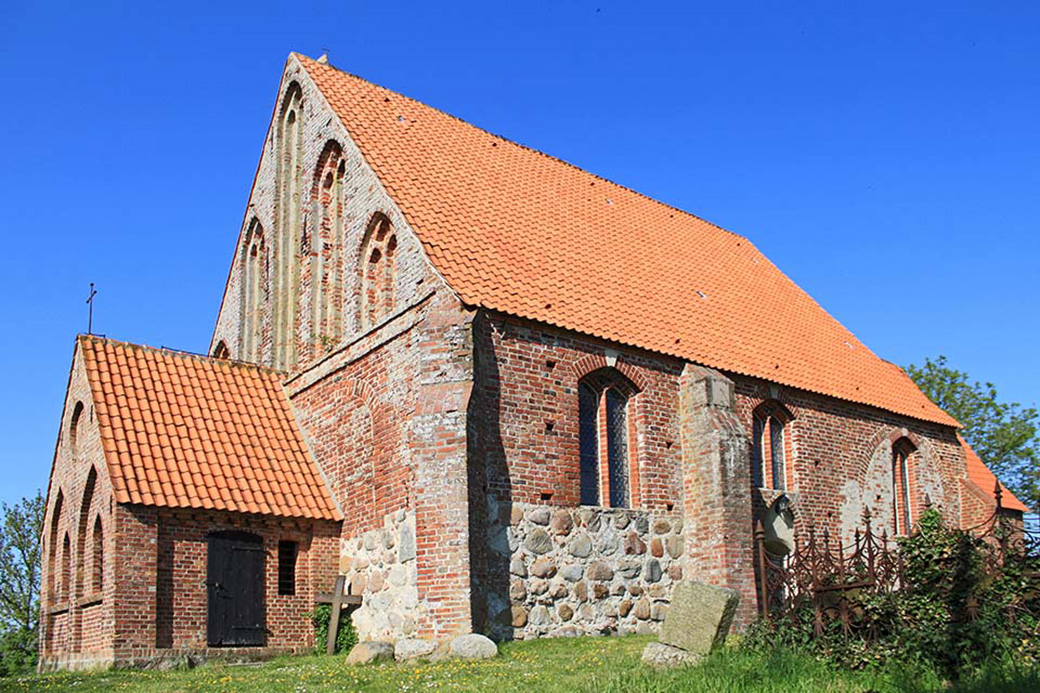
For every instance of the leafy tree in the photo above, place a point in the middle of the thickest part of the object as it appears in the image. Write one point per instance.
(20, 583)
(1005, 435)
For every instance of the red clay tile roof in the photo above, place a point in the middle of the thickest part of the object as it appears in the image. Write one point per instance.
(514, 230)
(187, 431)
(980, 475)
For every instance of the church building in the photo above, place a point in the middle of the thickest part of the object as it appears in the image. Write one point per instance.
(495, 392)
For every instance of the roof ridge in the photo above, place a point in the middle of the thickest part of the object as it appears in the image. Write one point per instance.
(170, 351)
(529, 148)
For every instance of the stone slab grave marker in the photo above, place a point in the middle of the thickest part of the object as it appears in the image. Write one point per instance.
(338, 600)
(698, 620)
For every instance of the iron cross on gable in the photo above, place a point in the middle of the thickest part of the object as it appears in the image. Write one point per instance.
(90, 309)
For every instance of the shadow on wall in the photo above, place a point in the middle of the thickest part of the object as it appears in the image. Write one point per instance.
(490, 492)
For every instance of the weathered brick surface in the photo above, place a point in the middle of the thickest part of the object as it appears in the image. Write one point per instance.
(692, 444)
(76, 615)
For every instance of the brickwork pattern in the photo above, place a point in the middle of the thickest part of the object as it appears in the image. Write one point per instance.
(76, 618)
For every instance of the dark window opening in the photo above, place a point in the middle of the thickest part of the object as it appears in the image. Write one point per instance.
(769, 446)
(757, 477)
(287, 568)
(776, 448)
(617, 448)
(588, 440)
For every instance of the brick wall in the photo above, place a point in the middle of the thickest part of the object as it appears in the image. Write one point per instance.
(76, 619)
(161, 594)
(693, 439)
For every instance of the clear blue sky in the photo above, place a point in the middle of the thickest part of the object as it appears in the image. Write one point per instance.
(886, 155)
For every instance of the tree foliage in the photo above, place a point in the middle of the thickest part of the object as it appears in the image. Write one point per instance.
(1005, 435)
(20, 583)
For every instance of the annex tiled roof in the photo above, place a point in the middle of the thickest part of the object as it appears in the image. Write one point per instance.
(188, 431)
(520, 232)
(980, 475)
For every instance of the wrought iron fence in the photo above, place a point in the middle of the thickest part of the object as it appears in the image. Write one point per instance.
(836, 580)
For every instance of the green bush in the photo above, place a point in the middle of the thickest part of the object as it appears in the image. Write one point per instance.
(951, 615)
(346, 636)
(17, 651)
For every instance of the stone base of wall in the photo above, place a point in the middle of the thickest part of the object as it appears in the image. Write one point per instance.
(164, 658)
(581, 571)
(380, 565)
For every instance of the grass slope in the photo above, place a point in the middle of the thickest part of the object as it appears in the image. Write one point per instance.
(606, 665)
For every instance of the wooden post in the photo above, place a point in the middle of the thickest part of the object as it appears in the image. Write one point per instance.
(337, 599)
(763, 583)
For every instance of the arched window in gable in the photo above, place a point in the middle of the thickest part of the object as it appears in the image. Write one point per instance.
(287, 236)
(53, 579)
(326, 261)
(606, 453)
(65, 577)
(378, 263)
(254, 263)
(771, 447)
(902, 460)
(98, 560)
(74, 430)
(81, 535)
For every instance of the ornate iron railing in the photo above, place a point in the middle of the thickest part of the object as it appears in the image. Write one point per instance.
(835, 580)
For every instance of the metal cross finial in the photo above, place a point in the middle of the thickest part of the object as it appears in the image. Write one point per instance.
(90, 310)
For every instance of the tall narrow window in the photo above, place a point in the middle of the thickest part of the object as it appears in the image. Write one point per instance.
(604, 401)
(74, 430)
(901, 519)
(769, 446)
(53, 572)
(776, 450)
(287, 233)
(325, 262)
(287, 567)
(254, 262)
(758, 439)
(65, 590)
(588, 439)
(378, 258)
(617, 447)
(98, 567)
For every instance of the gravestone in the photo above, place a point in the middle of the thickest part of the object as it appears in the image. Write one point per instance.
(698, 619)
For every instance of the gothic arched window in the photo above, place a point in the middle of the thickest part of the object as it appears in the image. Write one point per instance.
(378, 259)
(53, 578)
(326, 248)
(770, 447)
(287, 236)
(74, 430)
(605, 399)
(81, 533)
(98, 561)
(902, 452)
(254, 263)
(65, 576)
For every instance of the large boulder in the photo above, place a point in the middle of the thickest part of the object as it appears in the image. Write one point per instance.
(699, 617)
(370, 651)
(414, 648)
(472, 646)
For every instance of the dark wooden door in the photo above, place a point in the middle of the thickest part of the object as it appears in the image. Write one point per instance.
(235, 590)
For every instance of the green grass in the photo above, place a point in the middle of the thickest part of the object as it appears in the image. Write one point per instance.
(606, 665)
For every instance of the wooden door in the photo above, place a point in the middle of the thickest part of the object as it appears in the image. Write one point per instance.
(235, 590)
